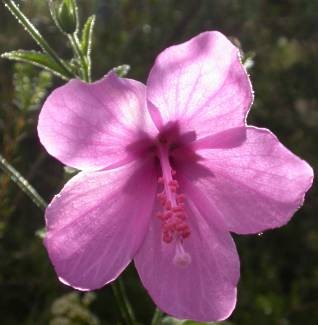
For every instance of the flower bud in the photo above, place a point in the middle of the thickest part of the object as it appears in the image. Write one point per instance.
(65, 15)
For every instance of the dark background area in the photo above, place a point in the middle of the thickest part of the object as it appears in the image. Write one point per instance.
(279, 269)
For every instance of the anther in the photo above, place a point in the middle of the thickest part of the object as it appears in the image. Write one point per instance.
(180, 215)
(160, 180)
(186, 233)
(180, 198)
(173, 183)
(167, 237)
(173, 189)
(168, 205)
(160, 196)
(178, 209)
(166, 215)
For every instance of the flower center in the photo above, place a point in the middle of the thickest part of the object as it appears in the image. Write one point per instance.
(172, 215)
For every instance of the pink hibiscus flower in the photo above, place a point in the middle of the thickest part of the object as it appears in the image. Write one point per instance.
(168, 171)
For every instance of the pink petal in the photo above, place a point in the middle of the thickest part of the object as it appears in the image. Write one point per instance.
(97, 223)
(201, 84)
(90, 126)
(205, 290)
(250, 188)
(229, 138)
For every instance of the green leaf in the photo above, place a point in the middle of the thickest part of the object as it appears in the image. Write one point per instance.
(87, 33)
(65, 15)
(36, 35)
(40, 233)
(25, 22)
(39, 59)
(122, 70)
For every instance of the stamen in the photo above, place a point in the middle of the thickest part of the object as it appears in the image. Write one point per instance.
(160, 180)
(173, 216)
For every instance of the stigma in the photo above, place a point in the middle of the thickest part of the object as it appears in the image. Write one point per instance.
(175, 228)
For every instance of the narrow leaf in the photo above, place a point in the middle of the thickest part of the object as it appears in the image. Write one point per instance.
(87, 33)
(25, 22)
(36, 35)
(39, 59)
(122, 70)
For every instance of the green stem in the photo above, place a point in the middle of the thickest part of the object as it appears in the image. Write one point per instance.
(24, 185)
(35, 34)
(123, 303)
(79, 53)
(156, 319)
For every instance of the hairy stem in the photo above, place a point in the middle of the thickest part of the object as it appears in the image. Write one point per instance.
(79, 53)
(35, 34)
(24, 185)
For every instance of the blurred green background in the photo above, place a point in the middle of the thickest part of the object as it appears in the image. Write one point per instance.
(279, 270)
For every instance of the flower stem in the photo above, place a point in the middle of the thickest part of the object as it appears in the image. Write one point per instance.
(123, 303)
(36, 35)
(156, 319)
(79, 53)
(24, 185)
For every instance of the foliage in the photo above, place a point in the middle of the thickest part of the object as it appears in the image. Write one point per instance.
(71, 309)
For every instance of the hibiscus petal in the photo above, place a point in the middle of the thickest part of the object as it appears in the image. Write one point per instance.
(90, 126)
(201, 84)
(205, 290)
(250, 188)
(229, 138)
(97, 222)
